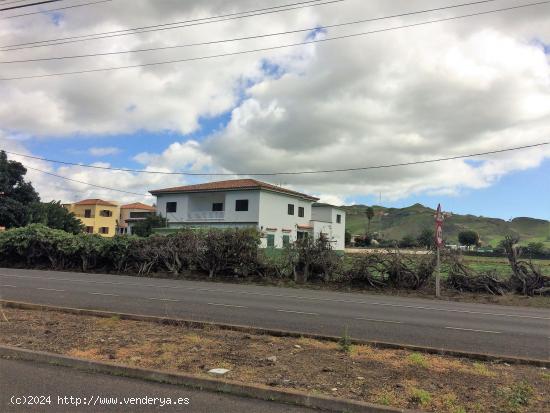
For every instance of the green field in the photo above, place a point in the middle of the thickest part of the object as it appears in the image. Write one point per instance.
(395, 223)
(501, 265)
(478, 264)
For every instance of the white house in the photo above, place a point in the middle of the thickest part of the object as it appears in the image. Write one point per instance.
(282, 215)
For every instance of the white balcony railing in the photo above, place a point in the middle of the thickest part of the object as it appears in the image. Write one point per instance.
(205, 215)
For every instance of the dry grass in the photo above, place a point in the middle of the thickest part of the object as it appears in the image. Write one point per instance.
(391, 377)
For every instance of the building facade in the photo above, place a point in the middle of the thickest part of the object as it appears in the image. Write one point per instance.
(130, 214)
(280, 214)
(98, 216)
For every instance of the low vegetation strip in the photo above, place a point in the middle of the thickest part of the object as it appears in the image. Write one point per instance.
(262, 392)
(278, 333)
(235, 254)
(390, 377)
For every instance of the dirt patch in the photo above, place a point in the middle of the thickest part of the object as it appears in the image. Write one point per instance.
(391, 377)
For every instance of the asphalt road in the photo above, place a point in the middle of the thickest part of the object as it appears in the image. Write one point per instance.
(99, 393)
(514, 331)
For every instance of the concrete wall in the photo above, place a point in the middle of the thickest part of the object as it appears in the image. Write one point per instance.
(197, 202)
(274, 216)
(324, 220)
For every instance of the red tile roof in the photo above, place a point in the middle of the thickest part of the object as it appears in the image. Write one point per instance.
(95, 201)
(233, 184)
(138, 205)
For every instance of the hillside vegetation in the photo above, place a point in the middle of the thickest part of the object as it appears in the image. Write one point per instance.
(395, 223)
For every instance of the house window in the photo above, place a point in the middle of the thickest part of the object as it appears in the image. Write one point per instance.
(105, 213)
(103, 230)
(87, 213)
(301, 212)
(290, 209)
(286, 240)
(301, 235)
(90, 230)
(338, 218)
(171, 207)
(270, 240)
(241, 205)
(140, 214)
(217, 206)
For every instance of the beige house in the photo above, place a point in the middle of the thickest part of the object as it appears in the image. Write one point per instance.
(98, 216)
(132, 213)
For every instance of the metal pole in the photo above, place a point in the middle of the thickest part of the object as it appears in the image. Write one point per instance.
(438, 276)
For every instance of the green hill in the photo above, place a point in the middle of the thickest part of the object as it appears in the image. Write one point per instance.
(395, 223)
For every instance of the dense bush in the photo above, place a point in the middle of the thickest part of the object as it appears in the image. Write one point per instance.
(215, 251)
(236, 253)
(392, 270)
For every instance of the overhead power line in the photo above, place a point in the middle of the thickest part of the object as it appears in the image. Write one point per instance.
(309, 29)
(37, 3)
(361, 168)
(83, 182)
(263, 49)
(56, 9)
(6, 2)
(173, 25)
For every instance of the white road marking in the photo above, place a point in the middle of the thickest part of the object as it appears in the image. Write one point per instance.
(227, 305)
(347, 301)
(379, 321)
(476, 331)
(7, 285)
(108, 294)
(295, 312)
(49, 289)
(160, 299)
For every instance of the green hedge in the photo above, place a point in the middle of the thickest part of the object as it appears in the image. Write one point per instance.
(214, 251)
(236, 253)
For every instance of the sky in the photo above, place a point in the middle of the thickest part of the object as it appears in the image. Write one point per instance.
(445, 89)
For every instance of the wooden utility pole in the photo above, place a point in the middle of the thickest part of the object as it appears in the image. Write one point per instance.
(438, 245)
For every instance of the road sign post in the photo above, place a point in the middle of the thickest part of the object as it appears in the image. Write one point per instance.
(438, 245)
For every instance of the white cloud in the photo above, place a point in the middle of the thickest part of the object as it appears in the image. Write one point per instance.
(104, 151)
(446, 89)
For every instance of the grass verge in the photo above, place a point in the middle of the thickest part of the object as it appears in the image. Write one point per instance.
(397, 378)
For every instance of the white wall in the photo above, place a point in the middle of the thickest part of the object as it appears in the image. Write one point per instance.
(194, 202)
(182, 206)
(324, 220)
(203, 202)
(274, 214)
(252, 215)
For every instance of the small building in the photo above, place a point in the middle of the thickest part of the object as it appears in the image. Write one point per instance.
(98, 216)
(329, 220)
(130, 214)
(281, 215)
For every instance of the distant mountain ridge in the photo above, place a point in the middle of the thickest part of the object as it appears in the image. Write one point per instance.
(395, 223)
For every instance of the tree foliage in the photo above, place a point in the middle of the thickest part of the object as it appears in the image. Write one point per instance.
(54, 215)
(144, 228)
(16, 195)
(426, 238)
(408, 241)
(20, 204)
(468, 238)
(370, 215)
